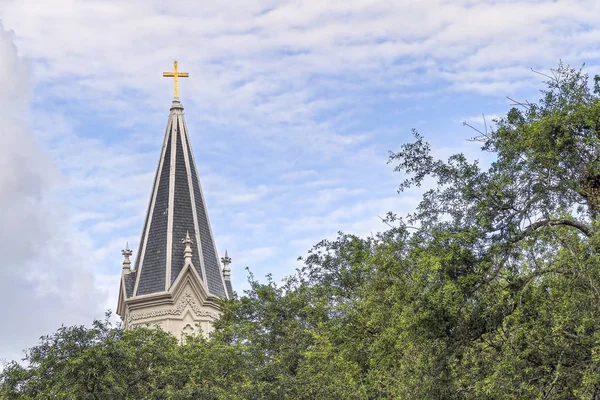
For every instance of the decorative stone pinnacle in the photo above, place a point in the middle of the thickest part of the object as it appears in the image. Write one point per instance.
(126, 254)
(226, 270)
(187, 253)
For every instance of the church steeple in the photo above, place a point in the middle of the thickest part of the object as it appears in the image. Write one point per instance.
(177, 208)
(176, 277)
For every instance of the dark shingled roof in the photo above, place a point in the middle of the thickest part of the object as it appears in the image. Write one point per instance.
(129, 283)
(229, 288)
(176, 198)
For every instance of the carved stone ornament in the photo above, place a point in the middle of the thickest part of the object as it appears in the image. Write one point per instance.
(188, 329)
(184, 301)
(127, 318)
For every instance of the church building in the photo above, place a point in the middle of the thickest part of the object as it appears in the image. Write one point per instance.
(177, 275)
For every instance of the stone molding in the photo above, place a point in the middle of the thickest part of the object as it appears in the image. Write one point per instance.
(186, 300)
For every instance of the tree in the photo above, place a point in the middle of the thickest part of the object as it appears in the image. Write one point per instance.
(518, 247)
(100, 362)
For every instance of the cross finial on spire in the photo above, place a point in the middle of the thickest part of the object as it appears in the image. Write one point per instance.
(176, 74)
(126, 254)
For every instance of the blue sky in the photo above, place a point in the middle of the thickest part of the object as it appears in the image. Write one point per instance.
(292, 107)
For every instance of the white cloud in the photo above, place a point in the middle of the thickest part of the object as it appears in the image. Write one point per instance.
(45, 277)
(109, 46)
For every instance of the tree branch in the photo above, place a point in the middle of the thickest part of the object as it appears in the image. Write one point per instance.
(519, 103)
(543, 74)
(585, 229)
(465, 123)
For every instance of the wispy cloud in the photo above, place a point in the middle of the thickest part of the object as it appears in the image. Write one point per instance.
(44, 262)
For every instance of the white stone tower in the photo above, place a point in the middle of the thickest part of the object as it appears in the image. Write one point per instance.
(176, 276)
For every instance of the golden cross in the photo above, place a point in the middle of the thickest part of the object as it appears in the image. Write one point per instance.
(176, 74)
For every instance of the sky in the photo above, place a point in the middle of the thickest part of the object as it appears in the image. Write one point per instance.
(292, 108)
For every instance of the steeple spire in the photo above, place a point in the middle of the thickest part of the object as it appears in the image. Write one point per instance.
(177, 209)
(177, 276)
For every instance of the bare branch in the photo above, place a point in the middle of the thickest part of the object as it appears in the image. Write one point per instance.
(403, 225)
(385, 222)
(484, 123)
(483, 135)
(519, 103)
(585, 229)
(543, 74)
(465, 123)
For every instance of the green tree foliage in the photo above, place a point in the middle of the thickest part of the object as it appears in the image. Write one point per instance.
(517, 246)
(489, 290)
(93, 363)
(106, 362)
